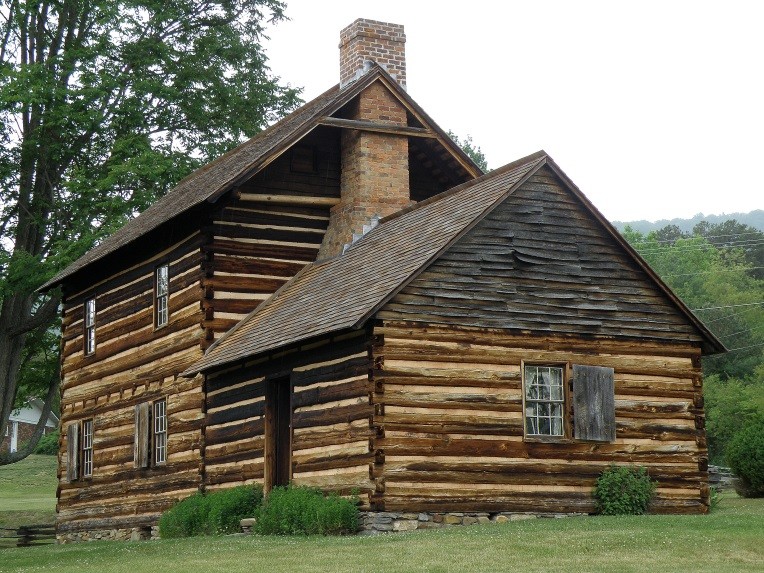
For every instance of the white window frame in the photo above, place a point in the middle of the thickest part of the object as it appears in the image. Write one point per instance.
(90, 326)
(544, 404)
(87, 448)
(159, 431)
(161, 295)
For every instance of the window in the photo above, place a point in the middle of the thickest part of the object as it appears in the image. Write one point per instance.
(161, 294)
(582, 410)
(150, 446)
(90, 313)
(87, 448)
(79, 450)
(544, 401)
(160, 432)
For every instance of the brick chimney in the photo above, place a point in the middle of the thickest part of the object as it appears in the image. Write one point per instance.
(368, 40)
(375, 166)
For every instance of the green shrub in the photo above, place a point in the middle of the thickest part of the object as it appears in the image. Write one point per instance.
(215, 513)
(48, 444)
(730, 405)
(228, 507)
(305, 511)
(745, 455)
(186, 518)
(623, 491)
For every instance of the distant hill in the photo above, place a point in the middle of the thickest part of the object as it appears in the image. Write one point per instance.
(754, 219)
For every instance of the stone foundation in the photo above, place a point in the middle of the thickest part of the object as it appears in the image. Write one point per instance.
(374, 522)
(127, 534)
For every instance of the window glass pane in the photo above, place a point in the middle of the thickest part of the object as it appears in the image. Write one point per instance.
(162, 285)
(162, 293)
(545, 400)
(90, 310)
(160, 432)
(87, 448)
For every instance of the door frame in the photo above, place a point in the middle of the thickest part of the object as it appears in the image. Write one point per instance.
(278, 432)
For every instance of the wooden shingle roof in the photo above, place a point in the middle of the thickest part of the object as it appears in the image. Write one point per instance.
(344, 291)
(211, 181)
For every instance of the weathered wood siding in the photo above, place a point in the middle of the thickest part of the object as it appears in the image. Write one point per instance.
(541, 263)
(270, 229)
(449, 422)
(539, 280)
(134, 362)
(330, 418)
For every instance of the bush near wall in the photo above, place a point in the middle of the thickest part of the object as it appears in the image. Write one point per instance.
(215, 513)
(305, 511)
(623, 490)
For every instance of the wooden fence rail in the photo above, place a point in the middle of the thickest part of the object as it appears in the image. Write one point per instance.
(28, 535)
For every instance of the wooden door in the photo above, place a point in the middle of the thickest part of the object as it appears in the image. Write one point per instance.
(278, 432)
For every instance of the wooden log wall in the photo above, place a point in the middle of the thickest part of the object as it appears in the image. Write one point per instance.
(449, 422)
(331, 415)
(133, 363)
(271, 229)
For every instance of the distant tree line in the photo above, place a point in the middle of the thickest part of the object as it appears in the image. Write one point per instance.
(717, 270)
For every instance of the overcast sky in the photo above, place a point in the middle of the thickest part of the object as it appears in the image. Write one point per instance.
(655, 109)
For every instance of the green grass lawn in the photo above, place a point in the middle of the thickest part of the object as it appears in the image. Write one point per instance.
(28, 492)
(729, 539)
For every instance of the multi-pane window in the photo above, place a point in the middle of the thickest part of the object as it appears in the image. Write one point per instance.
(90, 339)
(162, 291)
(79, 450)
(87, 448)
(544, 400)
(160, 431)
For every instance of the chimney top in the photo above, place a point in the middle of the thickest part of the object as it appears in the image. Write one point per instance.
(366, 41)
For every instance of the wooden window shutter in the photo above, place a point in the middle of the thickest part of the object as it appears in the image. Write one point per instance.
(73, 451)
(141, 445)
(593, 403)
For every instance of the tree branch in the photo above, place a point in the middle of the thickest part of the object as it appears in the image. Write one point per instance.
(44, 314)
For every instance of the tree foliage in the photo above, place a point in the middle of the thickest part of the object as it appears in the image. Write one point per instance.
(731, 405)
(473, 151)
(716, 271)
(715, 280)
(104, 106)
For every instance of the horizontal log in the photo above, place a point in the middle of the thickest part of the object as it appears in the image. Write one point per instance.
(335, 392)
(509, 448)
(277, 251)
(290, 199)
(332, 415)
(377, 127)
(248, 429)
(499, 337)
(321, 436)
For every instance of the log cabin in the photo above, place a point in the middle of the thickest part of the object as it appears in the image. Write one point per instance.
(345, 301)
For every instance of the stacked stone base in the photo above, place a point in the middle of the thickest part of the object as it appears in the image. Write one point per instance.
(374, 522)
(125, 534)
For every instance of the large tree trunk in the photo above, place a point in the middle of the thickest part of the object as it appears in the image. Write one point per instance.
(29, 447)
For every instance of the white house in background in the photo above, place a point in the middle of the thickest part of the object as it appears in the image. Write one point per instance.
(22, 422)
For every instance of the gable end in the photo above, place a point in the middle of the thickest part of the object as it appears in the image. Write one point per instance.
(541, 262)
